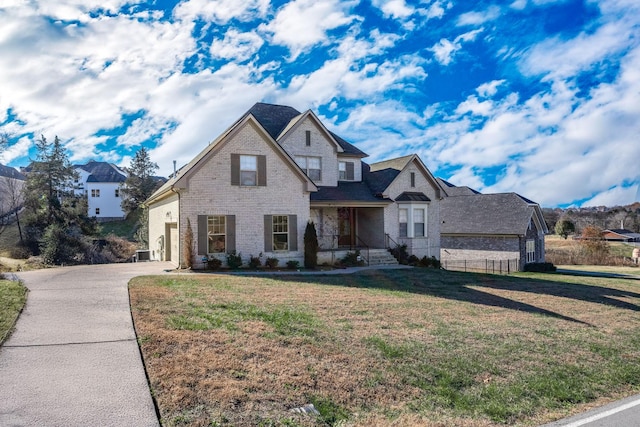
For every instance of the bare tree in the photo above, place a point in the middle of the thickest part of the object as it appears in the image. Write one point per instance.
(11, 201)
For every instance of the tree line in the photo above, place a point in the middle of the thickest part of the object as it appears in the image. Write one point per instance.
(55, 223)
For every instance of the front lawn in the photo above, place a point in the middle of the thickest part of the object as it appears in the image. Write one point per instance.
(12, 298)
(386, 347)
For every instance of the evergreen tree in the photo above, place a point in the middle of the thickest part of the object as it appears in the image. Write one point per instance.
(310, 246)
(55, 216)
(140, 183)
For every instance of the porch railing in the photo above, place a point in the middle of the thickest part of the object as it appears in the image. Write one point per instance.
(330, 242)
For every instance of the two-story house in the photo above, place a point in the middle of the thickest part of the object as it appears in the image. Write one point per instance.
(100, 182)
(254, 188)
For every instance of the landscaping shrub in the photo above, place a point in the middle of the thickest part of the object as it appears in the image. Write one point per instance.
(188, 249)
(20, 251)
(234, 261)
(351, 259)
(272, 262)
(400, 253)
(214, 264)
(540, 267)
(310, 246)
(255, 261)
(293, 264)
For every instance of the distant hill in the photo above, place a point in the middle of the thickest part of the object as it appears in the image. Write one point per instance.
(627, 217)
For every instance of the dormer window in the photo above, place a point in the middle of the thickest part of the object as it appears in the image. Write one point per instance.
(346, 171)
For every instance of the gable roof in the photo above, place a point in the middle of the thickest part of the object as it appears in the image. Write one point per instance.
(10, 172)
(454, 190)
(276, 118)
(490, 214)
(380, 175)
(195, 163)
(623, 234)
(103, 172)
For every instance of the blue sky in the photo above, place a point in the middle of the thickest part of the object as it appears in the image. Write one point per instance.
(540, 97)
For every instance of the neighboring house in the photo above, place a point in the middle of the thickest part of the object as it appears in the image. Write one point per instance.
(100, 182)
(11, 198)
(621, 235)
(491, 227)
(254, 188)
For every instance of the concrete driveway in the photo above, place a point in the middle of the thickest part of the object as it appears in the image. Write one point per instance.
(73, 359)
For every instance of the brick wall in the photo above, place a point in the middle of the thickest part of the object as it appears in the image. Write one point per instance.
(419, 246)
(210, 192)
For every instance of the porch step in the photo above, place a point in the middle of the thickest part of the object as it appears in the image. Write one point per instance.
(381, 257)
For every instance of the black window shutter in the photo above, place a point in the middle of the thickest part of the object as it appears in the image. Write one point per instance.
(293, 233)
(262, 171)
(350, 174)
(235, 169)
(231, 233)
(202, 235)
(268, 233)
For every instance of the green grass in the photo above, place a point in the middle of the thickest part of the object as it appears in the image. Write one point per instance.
(421, 344)
(12, 298)
(124, 228)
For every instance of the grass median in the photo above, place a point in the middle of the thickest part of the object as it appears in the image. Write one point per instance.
(386, 347)
(12, 298)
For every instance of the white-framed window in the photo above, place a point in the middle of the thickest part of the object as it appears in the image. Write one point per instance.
(248, 170)
(531, 251)
(217, 234)
(95, 192)
(403, 218)
(280, 232)
(312, 166)
(346, 171)
(412, 220)
(418, 222)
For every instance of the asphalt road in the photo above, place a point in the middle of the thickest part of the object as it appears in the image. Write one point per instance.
(73, 359)
(622, 413)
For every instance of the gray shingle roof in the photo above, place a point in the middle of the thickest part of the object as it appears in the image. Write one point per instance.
(10, 172)
(412, 196)
(347, 192)
(453, 190)
(503, 213)
(275, 118)
(103, 172)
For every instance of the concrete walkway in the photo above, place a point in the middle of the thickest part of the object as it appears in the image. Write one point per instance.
(73, 359)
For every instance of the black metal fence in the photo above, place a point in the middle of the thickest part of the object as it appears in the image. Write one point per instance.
(490, 266)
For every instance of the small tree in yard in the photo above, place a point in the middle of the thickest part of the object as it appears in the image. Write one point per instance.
(140, 183)
(594, 245)
(310, 246)
(187, 250)
(56, 220)
(564, 227)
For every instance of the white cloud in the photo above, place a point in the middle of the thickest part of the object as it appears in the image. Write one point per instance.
(490, 88)
(394, 8)
(301, 24)
(445, 50)
(15, 150)
(221, 11)
(236, 45)
(479, 18)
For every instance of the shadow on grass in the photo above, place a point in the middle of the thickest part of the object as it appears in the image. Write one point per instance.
(464, 287)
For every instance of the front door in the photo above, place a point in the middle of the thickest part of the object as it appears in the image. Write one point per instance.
(346, 227)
